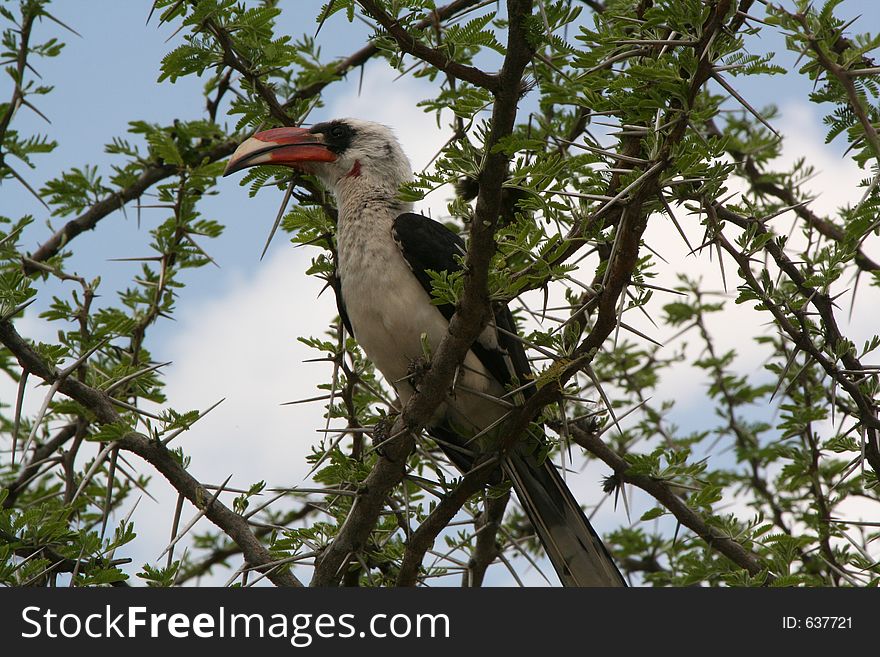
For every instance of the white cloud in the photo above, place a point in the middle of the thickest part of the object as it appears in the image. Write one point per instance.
(241, 346)
(834, 185)
(30, 327)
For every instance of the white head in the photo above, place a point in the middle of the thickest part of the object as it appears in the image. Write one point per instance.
(350, 156)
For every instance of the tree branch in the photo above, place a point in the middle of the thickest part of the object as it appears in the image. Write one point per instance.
(835, 340)
(60, 564)
(151, 175)
(422, 539)
(611, 212)
(409, 44)
(745, 440)
(157, 172)
(360, 57)
(465, 325)
(237, 62)
(486, 550)
(786, 195)
(40, 454)
(20, 63)
(845, 80)
(221, 554)
(100, 404)
(625, 256)
(665, 494)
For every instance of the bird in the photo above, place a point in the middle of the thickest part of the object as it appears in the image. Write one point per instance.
(385, 252)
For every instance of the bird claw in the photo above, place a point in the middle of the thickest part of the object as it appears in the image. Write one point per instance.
(416, 371)
(381, 432)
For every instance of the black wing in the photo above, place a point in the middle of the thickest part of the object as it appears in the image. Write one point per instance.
(429, 245)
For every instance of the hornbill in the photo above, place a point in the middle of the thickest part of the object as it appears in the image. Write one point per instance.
(384, 296)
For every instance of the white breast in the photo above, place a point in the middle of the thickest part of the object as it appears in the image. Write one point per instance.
(390, 311)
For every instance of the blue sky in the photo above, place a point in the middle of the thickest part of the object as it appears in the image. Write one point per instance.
(249, 311)
(108, 77)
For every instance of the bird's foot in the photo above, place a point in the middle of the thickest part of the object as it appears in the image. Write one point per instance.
(382, 432)
(417, 370)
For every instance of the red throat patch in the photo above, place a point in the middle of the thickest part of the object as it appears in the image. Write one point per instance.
(355, 170)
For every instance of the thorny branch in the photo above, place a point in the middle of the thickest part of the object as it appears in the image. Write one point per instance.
(154, 452)
(151, 175)
(38, 459)
(623, 260)
(846, 377)
(762, 186)
(611, 212)
(486, 549)
(666, 495)
(58, 563)
(422, 538)
(157, 171)
(21, 62)
(411, 45)
(465, 325)
(845, 80)
(238, 62)
(745, 439)
(360, 57)
(222, 554)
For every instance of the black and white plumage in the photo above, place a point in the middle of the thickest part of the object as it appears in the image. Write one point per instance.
(384, 253)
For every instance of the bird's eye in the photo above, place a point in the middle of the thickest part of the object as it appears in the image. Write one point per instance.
(337, 132)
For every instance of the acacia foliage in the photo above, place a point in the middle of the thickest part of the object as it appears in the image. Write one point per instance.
(630, 115)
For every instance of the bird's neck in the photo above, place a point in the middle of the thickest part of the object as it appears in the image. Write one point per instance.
(360, 190)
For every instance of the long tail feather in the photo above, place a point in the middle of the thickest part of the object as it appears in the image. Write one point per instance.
(573, 546)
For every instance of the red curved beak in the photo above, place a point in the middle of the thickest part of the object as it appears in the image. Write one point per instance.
(284, 146)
